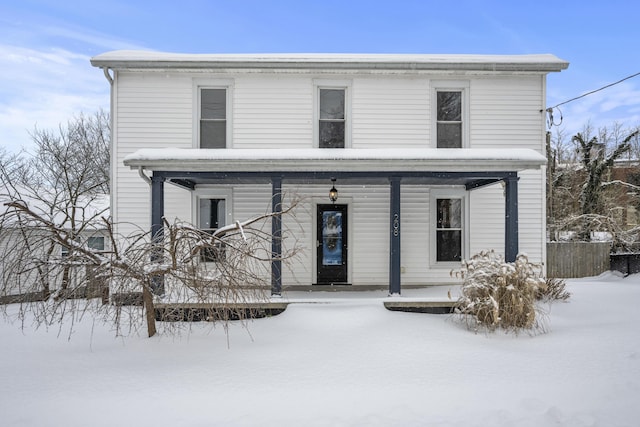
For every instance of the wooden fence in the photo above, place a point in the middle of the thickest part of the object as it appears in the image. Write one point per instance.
(577, 259)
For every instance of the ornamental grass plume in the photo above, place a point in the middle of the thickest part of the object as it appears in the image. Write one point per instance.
(498, 294)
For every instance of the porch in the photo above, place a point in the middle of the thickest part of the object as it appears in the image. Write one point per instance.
(469, 169)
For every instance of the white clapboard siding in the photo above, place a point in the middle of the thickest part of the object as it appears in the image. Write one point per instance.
(180, 205)
(370, 234)
(299, 229)
(156, 110)
(487, 216)
(390, 112)
(152, 111)
(251, 201)
(486, 219)
(505, 112)
(272, 111)
(415, 232)
(532, 214)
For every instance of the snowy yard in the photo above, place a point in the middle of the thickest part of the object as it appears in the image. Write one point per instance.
(346, 363)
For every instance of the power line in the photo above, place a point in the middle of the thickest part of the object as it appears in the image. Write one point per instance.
(550, 119)
(594, 91)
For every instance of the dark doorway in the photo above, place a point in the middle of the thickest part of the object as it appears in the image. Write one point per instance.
(332, 244)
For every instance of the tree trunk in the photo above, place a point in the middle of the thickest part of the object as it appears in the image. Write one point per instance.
(149, 309)
(65, 278)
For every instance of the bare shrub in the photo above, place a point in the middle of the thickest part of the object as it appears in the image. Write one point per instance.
(141, 270)
(555, 290)
(498, 294)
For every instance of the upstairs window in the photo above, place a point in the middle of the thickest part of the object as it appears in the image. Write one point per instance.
(332, 118)
(448, 230)
(213, 118)
(449, 119)
(211, 216)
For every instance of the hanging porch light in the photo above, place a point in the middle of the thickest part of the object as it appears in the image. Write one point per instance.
(333, 193)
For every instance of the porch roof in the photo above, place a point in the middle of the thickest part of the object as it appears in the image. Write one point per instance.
(381, 160)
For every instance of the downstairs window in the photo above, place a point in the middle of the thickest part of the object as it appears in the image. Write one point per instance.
(211, 216)
(448, 229)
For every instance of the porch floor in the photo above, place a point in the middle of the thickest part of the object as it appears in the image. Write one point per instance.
(437, 299)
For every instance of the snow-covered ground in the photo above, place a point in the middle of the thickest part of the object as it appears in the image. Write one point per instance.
(344, 363)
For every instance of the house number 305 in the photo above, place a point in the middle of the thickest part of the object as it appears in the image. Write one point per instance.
(396, 225)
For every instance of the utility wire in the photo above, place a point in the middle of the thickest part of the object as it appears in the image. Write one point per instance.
(594, 91)
(550, 119)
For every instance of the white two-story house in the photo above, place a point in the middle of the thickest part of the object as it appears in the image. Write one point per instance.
(434, 157)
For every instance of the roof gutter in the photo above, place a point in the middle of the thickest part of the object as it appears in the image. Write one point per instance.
(326, 160)
(487, 63)
(107, 74)
(143, 176)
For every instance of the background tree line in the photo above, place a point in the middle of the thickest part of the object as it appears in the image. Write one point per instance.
(593, 185)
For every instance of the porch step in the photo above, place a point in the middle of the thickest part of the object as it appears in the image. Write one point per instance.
(425, 306)
(195, 312)
(167, 312)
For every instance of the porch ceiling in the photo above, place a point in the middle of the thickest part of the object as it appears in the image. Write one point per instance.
(471, 180)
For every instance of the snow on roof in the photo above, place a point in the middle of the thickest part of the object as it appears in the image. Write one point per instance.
(310, 159)
(52, 205)
(123, 59)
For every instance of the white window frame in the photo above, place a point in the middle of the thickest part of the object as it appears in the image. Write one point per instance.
(448, 193)
(332, 84)
(64, 250)
(207, 192)
(450, 86)
(104, 242)
(198, 86)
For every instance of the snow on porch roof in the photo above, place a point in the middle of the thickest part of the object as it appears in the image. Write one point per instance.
(335, 160)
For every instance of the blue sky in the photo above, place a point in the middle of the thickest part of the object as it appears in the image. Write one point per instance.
(45, 46)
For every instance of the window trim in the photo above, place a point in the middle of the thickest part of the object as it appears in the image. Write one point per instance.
(97, 237)
(331, 84)
(198, 86)
(65, 250)
(207, 192)
(450, 86)
(448, 193)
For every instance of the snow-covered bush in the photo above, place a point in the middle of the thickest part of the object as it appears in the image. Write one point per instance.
(498, 294)
(555, 290)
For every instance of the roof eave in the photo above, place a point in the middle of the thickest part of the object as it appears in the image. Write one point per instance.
(481, 63)
(339, 66)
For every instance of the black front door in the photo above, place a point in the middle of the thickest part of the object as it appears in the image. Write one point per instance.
(332, 244)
